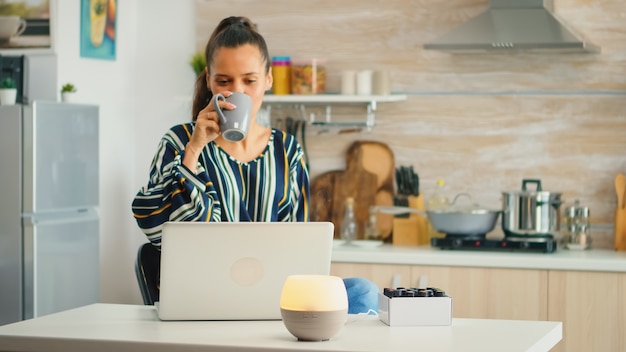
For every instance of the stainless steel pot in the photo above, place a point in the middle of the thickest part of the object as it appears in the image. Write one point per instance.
(531, 213)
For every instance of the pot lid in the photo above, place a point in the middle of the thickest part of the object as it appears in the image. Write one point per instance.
(465, 207)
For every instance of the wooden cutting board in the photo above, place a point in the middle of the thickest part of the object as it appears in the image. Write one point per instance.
(375, 157)
(330, 190)
(322, 194)
(378, 159)
(368, 178)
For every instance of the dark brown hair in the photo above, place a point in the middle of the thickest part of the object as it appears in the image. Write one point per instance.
(231, 32)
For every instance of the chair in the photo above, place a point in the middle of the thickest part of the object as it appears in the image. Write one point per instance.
(147, 269)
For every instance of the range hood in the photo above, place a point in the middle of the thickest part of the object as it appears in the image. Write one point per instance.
(510, 26)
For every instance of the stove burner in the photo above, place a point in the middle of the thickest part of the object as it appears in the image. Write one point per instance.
(532, 238)
(545, 244)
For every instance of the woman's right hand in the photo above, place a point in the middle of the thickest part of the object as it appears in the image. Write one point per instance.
(206, 130)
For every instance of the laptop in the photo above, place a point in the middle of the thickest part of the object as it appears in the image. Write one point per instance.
(236, 270)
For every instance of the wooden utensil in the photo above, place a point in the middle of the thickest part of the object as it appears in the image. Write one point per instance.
(619, 233)
(620, 189)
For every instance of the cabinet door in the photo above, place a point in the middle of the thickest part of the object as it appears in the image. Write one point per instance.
(383, 275)
(486, 293)
(61, 263)
(591, 307)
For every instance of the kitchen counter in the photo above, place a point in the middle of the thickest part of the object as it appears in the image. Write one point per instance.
(562, 259)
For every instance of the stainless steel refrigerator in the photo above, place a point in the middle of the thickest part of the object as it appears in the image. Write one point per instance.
(49, 197)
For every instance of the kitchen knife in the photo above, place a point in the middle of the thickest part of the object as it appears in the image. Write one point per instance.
(398, 181)
(415, 183)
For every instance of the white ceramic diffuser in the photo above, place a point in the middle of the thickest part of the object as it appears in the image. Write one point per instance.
(314, 307)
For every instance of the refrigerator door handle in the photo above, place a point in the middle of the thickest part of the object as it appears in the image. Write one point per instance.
(61, 217)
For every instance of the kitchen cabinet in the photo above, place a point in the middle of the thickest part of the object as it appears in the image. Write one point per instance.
(484, 293)
(303, 100)
(488, 293)
(383, 275)
(591, 306)
(585, 290)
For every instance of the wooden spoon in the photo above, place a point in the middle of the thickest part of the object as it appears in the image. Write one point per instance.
(620, 189)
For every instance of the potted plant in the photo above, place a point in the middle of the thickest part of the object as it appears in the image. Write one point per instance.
(8, 91)
(197, 62)
(67, 92)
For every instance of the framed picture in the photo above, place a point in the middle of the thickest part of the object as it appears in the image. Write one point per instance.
(25, 26)
(97, 29)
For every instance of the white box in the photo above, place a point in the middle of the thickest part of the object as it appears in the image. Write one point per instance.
(415, 311)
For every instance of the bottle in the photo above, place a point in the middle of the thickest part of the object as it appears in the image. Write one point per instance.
(371, 230)
(438, 200)
(281, 71)
(348, 225)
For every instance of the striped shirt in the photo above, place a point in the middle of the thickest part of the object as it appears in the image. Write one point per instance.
(272, 187)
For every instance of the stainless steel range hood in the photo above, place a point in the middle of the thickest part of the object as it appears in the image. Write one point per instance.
(512, 25)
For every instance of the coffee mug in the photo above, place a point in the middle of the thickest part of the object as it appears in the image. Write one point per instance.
(234, 123)
(11, 26)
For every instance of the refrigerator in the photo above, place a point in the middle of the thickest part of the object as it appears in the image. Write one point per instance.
(49, 198)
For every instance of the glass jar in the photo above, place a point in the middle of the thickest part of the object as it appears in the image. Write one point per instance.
(281, 71)
(308, 76)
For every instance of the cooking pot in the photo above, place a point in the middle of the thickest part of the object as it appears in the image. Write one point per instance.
(468, 221)
(531, 213)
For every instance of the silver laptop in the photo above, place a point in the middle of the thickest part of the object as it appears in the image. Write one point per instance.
(236, 270)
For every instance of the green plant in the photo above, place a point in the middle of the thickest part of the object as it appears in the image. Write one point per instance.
(8, 83)
(197, 62)
(68, 88)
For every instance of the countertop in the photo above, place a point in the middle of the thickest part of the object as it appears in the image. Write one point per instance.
(562, 259)
(111, 327)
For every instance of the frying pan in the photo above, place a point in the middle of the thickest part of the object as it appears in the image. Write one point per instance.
(472, 221)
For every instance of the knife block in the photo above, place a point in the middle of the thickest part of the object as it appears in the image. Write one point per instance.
(619, 233)
(411, 231)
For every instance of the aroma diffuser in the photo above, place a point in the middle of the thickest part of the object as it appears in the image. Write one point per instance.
(314, 307)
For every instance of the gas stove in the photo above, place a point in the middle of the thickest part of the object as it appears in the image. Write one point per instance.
(545, 244)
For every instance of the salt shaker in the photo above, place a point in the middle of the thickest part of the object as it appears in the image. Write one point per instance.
(577, 222)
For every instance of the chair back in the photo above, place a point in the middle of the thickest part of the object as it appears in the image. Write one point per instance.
(147, 269)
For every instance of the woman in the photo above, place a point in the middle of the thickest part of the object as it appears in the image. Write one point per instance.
(196, 175)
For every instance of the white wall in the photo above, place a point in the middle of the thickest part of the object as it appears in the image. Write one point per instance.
(139, 94)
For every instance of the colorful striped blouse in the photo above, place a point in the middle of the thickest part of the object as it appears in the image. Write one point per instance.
(272, 187)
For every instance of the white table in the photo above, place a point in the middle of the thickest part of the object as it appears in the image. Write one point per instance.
(120, 328)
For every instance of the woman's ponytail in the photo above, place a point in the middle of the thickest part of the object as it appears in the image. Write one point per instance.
(202, 95)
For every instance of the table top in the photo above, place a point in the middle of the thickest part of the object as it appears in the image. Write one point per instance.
(563, 259)
(116, 327)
